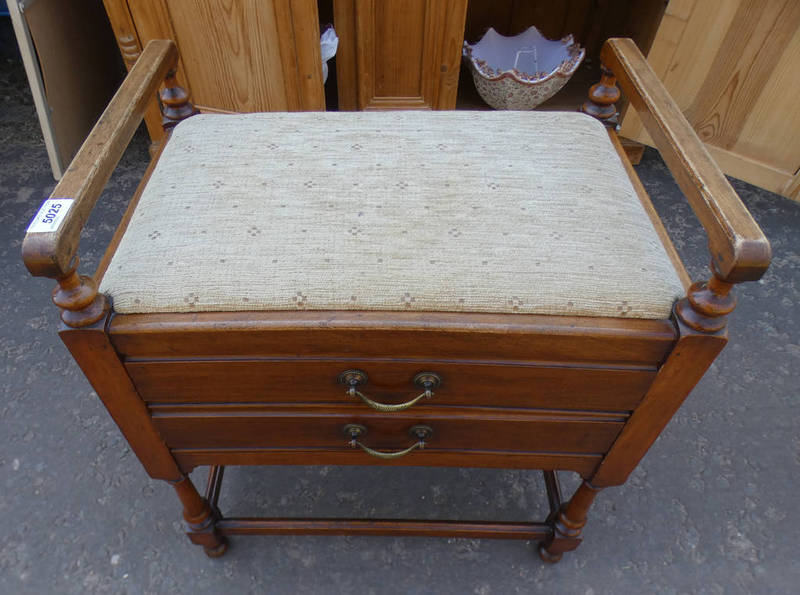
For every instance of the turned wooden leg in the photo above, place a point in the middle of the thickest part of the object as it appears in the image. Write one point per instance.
(567, 523)
(201, 519)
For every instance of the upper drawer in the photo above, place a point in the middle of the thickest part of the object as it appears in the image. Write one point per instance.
(486, 384)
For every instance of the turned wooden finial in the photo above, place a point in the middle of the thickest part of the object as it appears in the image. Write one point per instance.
(175, 104)
(707, 305)
(78, 299)
(602, 97)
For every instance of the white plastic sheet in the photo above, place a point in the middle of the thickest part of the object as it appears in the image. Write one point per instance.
(328, 43)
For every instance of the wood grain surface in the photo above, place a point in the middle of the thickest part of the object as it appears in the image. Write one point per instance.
(739, 250)
(393, 334)
(131, 48)
(321, 426)
(732, 68)
(399, 54)
(499, 384)
(101, 365)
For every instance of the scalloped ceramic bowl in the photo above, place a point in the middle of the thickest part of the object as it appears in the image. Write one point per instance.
(520, 72)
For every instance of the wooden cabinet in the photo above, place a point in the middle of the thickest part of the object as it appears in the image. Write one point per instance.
(235, 56)
(399, 54)
(732, 66)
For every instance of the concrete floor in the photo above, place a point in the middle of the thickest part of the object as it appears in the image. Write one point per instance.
(711, 509)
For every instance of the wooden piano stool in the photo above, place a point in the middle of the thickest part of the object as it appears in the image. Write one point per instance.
(429, 289)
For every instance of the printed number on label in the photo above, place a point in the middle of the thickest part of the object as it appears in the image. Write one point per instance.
(50, 215)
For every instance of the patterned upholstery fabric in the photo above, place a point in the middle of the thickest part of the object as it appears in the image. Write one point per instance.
(527, 212)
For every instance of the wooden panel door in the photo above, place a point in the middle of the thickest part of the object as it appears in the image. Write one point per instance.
(236, 55)
(732, 66)
(399, 54)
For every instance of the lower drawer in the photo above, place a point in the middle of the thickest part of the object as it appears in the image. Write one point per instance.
(321, 427)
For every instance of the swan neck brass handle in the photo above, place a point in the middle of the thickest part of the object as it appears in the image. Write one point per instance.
(356, 431)
(355, 378)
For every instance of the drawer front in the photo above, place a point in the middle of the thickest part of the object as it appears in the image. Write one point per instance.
(489, 384)
(321, 427)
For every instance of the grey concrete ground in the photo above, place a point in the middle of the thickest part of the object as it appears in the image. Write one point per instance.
(712, 508)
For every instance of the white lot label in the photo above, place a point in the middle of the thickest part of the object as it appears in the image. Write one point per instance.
(50, 215)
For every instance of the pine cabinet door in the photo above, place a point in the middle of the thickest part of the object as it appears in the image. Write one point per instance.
(399, 54)
(732, 66)
(235, 56)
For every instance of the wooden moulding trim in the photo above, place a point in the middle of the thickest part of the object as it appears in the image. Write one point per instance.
(126, 217)
(325, 411)
(51, 254)
(395, 527)
(161, 366)
(750, 170)
(397, 334)
(204, 109)
(583, 464)
(390, 321)
(388, 103)
(738, 247)
(344, 16)
(792, 188)
(644, 198)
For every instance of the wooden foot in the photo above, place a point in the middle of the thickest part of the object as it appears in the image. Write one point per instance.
(547, 556)
(568, 522)
(201, 519)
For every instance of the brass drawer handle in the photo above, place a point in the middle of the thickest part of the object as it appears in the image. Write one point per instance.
(353, 378)
(355, 431)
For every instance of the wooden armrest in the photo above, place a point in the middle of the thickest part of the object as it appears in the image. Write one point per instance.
(51, 253)
(739, 250)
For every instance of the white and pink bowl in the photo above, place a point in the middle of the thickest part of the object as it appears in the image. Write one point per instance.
(523, 71)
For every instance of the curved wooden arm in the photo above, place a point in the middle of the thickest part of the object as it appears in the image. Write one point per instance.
(739, 250)
(51, 254)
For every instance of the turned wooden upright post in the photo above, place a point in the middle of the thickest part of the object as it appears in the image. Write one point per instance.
(707, 304)
(199, 515)
(175, 104)
(78, 299)
(50, 249)
(602, 97)
(739, 253)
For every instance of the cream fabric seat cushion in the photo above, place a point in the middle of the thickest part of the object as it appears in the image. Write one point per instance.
(528, 212)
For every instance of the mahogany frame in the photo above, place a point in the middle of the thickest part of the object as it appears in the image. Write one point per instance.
(676, 352)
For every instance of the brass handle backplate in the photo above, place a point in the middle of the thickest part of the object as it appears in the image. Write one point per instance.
(354, 378)
(356, 431)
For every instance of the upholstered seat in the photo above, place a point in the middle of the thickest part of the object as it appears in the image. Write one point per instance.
(447, 211)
